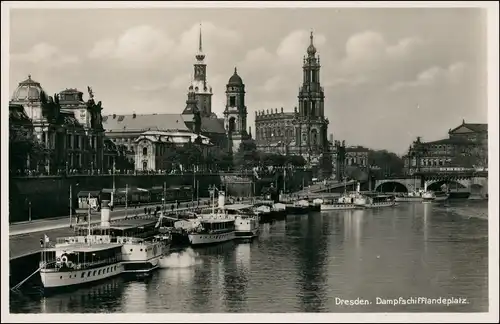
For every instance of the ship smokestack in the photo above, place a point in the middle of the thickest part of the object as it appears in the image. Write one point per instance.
(222, 200)
(105, 215)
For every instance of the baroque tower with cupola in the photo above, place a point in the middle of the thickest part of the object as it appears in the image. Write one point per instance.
(202, 91)
(235, 113)
(310, 122)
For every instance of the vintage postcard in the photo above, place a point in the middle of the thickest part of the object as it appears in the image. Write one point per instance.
(250, 161)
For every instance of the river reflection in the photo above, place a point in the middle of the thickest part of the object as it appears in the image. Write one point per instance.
(307, 262)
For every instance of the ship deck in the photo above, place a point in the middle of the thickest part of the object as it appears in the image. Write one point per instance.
(82, 247)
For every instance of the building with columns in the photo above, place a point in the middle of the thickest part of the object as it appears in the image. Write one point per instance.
(466, 144)
(69, 128)
(303, 131)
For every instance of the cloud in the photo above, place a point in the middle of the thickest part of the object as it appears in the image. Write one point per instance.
(257, 57)
(146, 45)
(432, 76)
(274, 84)
(151, 88)
(213, 37)
(289, 51)
(46, 54)
(293, 46)
(369, 52)
(181, 82)
(137, 44)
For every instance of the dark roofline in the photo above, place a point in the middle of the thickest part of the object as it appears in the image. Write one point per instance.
(447, 141)
(473, 125)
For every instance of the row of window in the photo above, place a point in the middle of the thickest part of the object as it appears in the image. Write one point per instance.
(76, 141)
(94, 273)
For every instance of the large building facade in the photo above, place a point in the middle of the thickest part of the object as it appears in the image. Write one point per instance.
(466, 146)
(68, 127)
(197, 117)
(303, 131)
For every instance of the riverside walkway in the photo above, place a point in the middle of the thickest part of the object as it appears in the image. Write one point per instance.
(24, 237)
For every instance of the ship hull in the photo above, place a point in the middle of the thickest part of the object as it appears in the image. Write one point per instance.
(197, 239)
(241, 235)
(408, 199)
(52, 280)
(327, 207)
(296, 210)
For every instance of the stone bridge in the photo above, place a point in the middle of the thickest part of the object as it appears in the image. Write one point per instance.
(474, 182)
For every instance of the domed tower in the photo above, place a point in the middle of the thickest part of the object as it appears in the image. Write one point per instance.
(235, 114)
(203, 92)
(28, 94)
(311, 124)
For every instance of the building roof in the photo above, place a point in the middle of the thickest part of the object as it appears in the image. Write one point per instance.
(208, 124)
(142, 123)
(357, 149)
(172, 137)
(235, 79)
(450, 141)
(475, 127)
(28, 89)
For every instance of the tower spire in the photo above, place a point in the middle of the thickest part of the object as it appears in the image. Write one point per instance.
(200, 56)
(311, 50)
(201, 47)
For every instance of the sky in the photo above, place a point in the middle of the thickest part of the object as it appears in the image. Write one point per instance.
(389, 75)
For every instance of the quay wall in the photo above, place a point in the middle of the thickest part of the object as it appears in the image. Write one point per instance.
(49, 196)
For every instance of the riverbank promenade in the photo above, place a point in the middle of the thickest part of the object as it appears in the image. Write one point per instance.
(24, 237)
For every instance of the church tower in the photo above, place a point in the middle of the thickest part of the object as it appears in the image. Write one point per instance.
(203, 92)
(235, 114)
(311, 124)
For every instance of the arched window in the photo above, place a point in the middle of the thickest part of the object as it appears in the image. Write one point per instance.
(314, 137)
(144, 151)
(232, 124)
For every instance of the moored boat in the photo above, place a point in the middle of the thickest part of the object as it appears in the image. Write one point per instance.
(412, 196)
(246, 220)
(269, 211)
(214, 227)
(81, 259)
(77, 260)
(378, 201)
(298, 207)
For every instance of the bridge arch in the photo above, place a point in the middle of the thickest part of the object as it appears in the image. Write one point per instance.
(451, 184)
(391, 186)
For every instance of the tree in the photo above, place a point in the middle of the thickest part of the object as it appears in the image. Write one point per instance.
(296, 160)
(389, 162)
(247, 155)
(22, 144)
(219, 159)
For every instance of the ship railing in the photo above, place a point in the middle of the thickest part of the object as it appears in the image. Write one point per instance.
(96, 239)
(53, 264)
(130, 240)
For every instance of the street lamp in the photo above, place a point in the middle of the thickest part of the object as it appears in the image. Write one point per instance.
(114, 188)
(29, 211)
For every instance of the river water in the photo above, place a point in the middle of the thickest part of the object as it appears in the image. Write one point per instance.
(307, 264)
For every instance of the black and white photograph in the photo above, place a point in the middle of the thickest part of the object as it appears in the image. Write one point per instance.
(257, 161)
